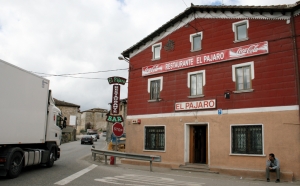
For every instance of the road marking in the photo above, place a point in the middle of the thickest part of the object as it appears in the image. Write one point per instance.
(76, 175)
(133, 179)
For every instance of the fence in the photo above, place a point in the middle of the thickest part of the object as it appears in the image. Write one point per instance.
(143, 157)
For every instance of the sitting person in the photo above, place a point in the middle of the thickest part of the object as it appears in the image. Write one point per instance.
(273, 166)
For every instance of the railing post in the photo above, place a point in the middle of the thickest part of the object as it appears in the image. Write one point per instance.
(150, 166)
(94, 156)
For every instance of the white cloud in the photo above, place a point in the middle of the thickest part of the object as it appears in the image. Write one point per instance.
(65, 37)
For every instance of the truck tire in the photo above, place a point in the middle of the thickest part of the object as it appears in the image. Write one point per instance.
(16, 165)
(51, 158)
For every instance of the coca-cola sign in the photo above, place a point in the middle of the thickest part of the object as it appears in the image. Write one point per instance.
(209, 58)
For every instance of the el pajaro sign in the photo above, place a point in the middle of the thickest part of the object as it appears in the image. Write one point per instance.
(194, 105)
(114, 119)
(209, 58)
(116, 80)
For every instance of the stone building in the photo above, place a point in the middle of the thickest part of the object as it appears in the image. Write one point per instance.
(96, 117)
(72, 112)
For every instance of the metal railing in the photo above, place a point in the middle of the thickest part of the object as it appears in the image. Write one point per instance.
(150, 158)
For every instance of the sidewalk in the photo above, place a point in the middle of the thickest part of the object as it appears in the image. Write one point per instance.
(167, 171)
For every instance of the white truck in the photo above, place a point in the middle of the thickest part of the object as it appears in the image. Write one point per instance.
(30, 123)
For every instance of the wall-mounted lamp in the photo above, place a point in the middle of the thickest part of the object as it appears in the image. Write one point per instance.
(227, 94)
(123, 58)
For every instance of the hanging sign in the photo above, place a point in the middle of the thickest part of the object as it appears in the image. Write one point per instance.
(115, 99)
(113, 119)
(209, 58)
(116, 80)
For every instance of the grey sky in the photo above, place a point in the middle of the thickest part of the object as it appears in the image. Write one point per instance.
(78, 36)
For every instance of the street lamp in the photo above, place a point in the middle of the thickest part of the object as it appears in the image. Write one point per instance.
(123, 58)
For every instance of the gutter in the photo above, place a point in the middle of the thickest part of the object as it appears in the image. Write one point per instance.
(296, 59)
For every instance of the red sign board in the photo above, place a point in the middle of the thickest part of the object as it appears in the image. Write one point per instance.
(118, 129)
(209, 58)
(115, 99)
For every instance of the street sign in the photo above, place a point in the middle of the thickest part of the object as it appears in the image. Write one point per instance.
(116, 80)
(219, 111)
(114, 119)
(118, 129)
(115, 103)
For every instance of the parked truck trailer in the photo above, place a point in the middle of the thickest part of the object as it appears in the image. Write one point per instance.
(30, 125)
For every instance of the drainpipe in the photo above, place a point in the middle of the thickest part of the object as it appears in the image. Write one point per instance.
(295, 47)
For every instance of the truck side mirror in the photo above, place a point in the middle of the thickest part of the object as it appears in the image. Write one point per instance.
(65, 122)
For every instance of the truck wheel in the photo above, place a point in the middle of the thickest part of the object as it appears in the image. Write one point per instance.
(15, 166)
(51, 158)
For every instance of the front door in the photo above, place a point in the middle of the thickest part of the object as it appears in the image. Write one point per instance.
(198, 144)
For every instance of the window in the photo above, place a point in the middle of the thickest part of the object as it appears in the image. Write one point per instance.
(196, 40)
(155, 138)
(196, 81)
(155, 87)
(242, 75)
(240, 30)
(58, 120)
(72, 120)
(156, 51)
(247, 139)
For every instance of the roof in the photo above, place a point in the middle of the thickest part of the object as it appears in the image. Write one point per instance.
(207, 8)
(63, 103)
(96, 110)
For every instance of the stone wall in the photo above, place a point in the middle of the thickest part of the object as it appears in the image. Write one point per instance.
(97, 118)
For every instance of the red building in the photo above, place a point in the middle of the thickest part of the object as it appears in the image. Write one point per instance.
(219, 85)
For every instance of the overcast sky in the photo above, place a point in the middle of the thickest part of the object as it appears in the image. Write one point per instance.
(79, 36)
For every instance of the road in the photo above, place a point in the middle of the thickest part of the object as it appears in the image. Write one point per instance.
(76, 168)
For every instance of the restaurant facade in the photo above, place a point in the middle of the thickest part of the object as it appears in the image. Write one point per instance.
(218, 86)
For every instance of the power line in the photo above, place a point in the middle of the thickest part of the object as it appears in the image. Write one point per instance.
(72, 75)
(79, 77)
(184, 3)
(79, 72)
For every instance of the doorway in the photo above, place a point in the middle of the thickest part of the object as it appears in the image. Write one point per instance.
(198, 144)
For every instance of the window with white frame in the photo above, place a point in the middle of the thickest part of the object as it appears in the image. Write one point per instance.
(196, 82)
(247, 139)
(155, 138)
(240, 30)
(155, 86)
(242, 75)
(156, 51)
(196, 41)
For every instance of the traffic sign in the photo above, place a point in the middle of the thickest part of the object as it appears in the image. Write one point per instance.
(118, 129)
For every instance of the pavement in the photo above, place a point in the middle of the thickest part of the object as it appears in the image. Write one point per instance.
(240, 180)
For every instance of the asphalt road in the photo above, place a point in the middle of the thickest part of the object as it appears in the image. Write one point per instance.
(76, 168)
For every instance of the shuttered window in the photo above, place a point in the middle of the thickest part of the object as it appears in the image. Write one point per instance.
(155, 138)
(247, 139)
